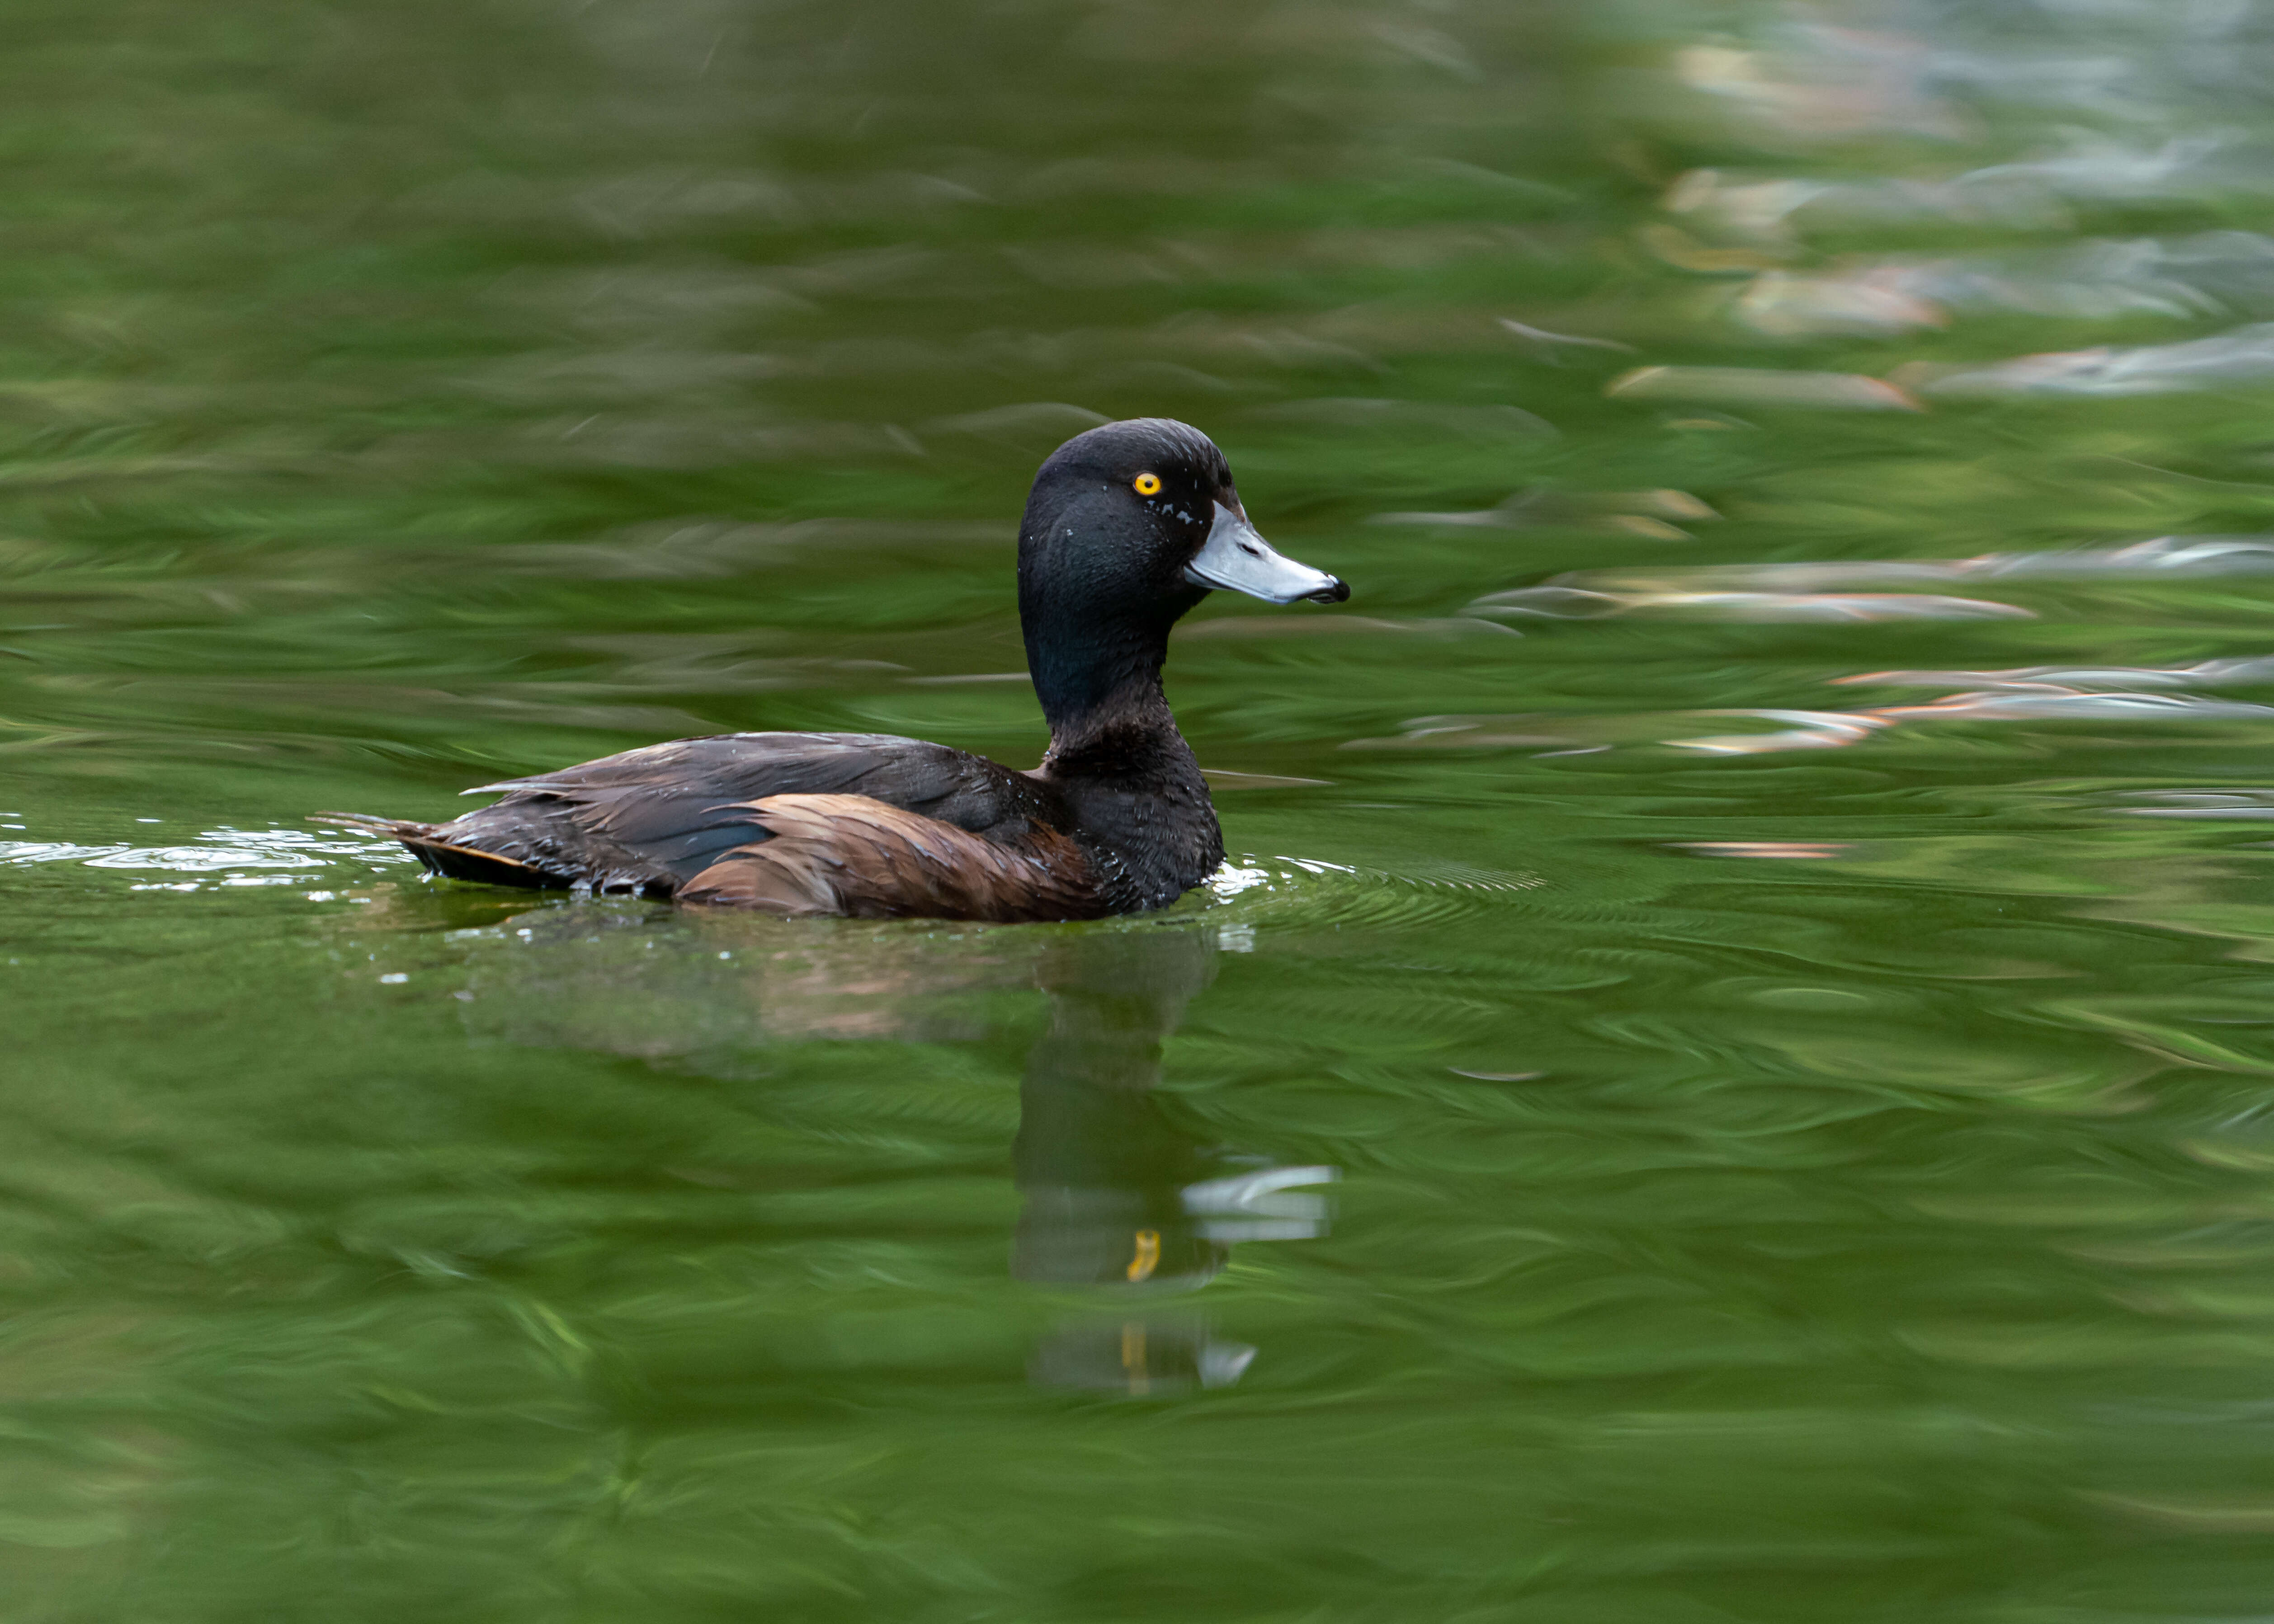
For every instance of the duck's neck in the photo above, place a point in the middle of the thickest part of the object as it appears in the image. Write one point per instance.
(1133, 785)
(1122, 746)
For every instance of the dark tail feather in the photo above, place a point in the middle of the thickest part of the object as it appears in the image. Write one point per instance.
(458, 862)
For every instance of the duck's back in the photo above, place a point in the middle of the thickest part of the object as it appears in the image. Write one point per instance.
(862, 824)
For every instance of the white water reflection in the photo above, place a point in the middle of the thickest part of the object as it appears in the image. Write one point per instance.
(2211, 274)
(1744, 588)
(2224, 805)
(2150, 695)
(218, 851)
(1804, 729)
(1797, 593)
(2204, 673)
(1755, 385)
(2243, 356)
(1822, 730)
(1571, 603)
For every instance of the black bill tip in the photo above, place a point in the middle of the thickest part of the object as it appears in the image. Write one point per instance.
(1337, 591)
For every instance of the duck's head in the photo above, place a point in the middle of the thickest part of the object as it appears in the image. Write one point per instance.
(1129, 526)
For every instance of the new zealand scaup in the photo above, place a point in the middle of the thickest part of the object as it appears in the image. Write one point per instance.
(1128, 526)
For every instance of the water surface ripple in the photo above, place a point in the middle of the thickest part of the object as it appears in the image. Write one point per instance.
(1726, 1079)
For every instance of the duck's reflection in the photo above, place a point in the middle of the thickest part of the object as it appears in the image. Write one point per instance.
(1099, 1165)
(1120, 1202)
(1115, 1195)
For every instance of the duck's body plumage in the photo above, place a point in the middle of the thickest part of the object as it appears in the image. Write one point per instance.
(1115, 819)
(918, 829)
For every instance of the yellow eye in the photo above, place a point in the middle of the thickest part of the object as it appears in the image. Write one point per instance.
(1147, 484)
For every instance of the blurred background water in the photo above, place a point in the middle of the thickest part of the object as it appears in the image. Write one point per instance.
(1728, 1078)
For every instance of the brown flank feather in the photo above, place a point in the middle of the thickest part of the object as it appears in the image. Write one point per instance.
(854, 856)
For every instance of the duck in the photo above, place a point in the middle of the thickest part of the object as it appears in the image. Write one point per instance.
(1128, 528)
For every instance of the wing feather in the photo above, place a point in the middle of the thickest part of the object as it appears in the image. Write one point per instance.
(654, 820)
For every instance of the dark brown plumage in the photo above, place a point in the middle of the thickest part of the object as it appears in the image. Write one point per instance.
(1128, 528)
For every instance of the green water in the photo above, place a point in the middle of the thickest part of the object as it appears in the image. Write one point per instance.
(1565, 1170)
